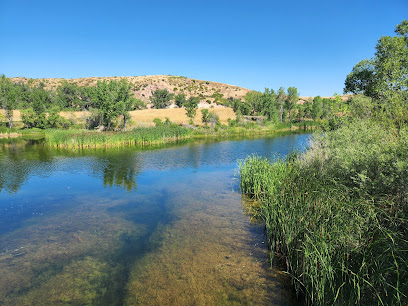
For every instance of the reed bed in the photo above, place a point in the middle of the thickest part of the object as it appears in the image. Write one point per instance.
(144, 136)
(141, 136)
(336, 216)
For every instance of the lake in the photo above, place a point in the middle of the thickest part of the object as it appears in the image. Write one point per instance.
(131, 226)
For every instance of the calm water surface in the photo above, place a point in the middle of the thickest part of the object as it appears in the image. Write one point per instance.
(134, 227)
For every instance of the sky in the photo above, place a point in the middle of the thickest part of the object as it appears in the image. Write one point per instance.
(256, 44)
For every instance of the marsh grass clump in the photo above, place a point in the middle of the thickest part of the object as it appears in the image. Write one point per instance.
(337, 214)
(141, 136)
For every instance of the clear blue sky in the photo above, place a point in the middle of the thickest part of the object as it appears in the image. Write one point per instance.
(312, 45)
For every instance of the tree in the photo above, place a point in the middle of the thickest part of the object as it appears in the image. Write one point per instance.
(54, 120)
(191, 106)
(105, 100)
(269, 105)
(280, 99)
(180, 99)
(240, 107)
(317, 108)
(35, 115)
(68, 95)
(307, 108)
(125, 101)
(205, 116)
(291, 99)
(255, 100)
(385, 77)
(113, 99)
(387, 73)
(362, 79)
(161, 98)
(391, 64)
(9, 94)
(300, 115)
(402, 29)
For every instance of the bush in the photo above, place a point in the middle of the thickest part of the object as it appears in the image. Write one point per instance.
(205, 116)
(157, 122)
(161, 98)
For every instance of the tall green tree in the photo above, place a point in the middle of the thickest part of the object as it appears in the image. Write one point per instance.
(113, 99)
(105, 97)
(39, 101)
(280, 100)
(317, 108)
(161, 98)
(191, 106)
(69, 95)
(291, 99)
(125, 101)
(269, 105)
(9, 95)
(362, 79)
(255, 100)
(385, 77)
(387, 73)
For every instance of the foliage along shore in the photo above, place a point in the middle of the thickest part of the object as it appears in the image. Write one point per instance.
(337, 215)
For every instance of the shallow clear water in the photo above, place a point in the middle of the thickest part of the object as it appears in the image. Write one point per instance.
(129, 226)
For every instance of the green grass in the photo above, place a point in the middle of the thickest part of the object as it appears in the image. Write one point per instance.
(80, 138)
(138, 136)
(337, 214)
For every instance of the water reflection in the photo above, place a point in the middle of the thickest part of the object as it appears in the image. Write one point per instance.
(131, 226)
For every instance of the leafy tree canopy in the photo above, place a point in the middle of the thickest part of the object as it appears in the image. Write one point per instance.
(386, 74)
(161, 98)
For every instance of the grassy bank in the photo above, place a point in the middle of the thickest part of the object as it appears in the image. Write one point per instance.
(337, 214)
(138, 136)
(164, 133)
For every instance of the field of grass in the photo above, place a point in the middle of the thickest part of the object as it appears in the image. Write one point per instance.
(144, 117)
(177, 115)
(336, 216)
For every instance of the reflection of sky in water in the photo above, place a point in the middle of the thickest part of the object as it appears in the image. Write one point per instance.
(122, 204)
(36, 182)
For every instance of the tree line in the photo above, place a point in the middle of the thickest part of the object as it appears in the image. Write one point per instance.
(40, 107)
(109, 104)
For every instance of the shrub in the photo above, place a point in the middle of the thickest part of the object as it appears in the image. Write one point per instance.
(205, 116)
(157, 122)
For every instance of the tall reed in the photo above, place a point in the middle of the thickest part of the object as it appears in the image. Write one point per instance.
(338, 214)
(139, 136)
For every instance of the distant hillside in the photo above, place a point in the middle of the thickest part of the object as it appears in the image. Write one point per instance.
(145, 85)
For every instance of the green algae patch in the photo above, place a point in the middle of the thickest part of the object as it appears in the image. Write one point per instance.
(83, 282)
(71, 250)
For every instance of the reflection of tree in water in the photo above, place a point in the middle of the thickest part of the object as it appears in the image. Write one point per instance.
(121, 171)
(18, 159)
